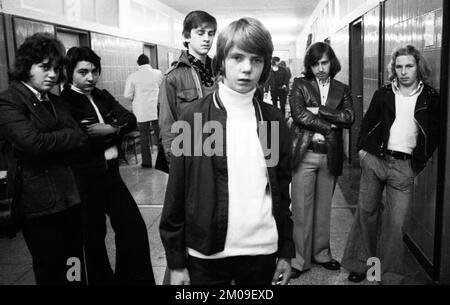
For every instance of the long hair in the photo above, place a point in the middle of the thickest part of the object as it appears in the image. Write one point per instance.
(77, 54)
(423, 70)
(315, 53)
(36, 49)
(249, 35)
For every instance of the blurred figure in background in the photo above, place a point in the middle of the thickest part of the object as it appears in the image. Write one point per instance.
(142, 88)
(37, 135)
(278, 85)
(105, 121)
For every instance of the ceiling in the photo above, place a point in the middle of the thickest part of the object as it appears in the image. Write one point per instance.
(283, 18)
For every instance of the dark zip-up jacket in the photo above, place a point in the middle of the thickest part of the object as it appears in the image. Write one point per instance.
(377, 123)
(195, 212)
(44, 143)
(112, 112)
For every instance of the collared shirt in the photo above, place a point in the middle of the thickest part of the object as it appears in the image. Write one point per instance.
(324, 88)
(205, 70)
(112, 152)
(396, 88)
(43, 98)
(39, 96)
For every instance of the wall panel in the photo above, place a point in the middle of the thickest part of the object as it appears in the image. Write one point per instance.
(118, 61)
(371, 28)
(3, 57)
(24, 28)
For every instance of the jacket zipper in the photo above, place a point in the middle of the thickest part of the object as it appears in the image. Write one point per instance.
(421, 128)
(373, 129)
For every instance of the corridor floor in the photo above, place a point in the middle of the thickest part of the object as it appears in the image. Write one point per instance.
(148, 187)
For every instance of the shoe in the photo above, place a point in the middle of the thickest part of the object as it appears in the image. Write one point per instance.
(356, 277)
(295, 273)
(146, 165)
(331, 265)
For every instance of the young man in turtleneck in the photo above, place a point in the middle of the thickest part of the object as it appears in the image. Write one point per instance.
(226, 214)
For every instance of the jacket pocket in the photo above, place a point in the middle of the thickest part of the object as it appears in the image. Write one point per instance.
(187, 96)
(38, 194)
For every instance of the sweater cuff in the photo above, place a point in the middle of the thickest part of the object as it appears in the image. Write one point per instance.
(176, 260)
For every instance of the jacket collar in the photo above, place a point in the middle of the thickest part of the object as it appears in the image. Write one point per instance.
(421, 99)
(334, 94)
(183, 59)
(34, 105)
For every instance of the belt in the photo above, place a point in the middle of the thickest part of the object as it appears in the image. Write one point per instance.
(318, 147)
(399, 155)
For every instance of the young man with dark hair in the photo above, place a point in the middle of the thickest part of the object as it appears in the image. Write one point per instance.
(226, 213)
(398, 135)
(321, 107)
(142, 88)
(37, 136)
(191, 78)
(105, 121)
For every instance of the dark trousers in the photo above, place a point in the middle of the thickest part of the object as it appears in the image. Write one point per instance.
(52, 241)
(279, 95)
(106, 193)
(243, 270)
(144, 131)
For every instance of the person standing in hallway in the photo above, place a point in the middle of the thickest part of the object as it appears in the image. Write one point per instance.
(191, 78)
(226, 213)
(105, 121)
(278, 85)
(37, 136)
(399, 133)
(288, 70)
(142, 88)
(321, 107)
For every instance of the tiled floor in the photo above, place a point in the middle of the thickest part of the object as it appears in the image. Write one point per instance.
(147, 187)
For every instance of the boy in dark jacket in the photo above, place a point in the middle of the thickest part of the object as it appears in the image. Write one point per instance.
(105, 121)
(399, 133)
(226, 213)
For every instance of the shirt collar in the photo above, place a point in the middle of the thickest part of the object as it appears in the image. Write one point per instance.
(41, 97)
(142, 67)
(396, 88)
(324, 84)
(78, 90)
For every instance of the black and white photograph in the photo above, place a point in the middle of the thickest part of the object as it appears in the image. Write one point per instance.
(224, 144)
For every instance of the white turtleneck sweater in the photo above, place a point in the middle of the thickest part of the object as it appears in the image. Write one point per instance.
(252, 228)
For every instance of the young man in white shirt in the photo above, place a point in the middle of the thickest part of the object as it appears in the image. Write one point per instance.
(398, 135)
(142, 88)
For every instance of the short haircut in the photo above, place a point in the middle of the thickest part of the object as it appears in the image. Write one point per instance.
(77, 54)
(36, 49)
(424, 71)
(249, 35)
(196, 19)
(143, 60)
(315, 53)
